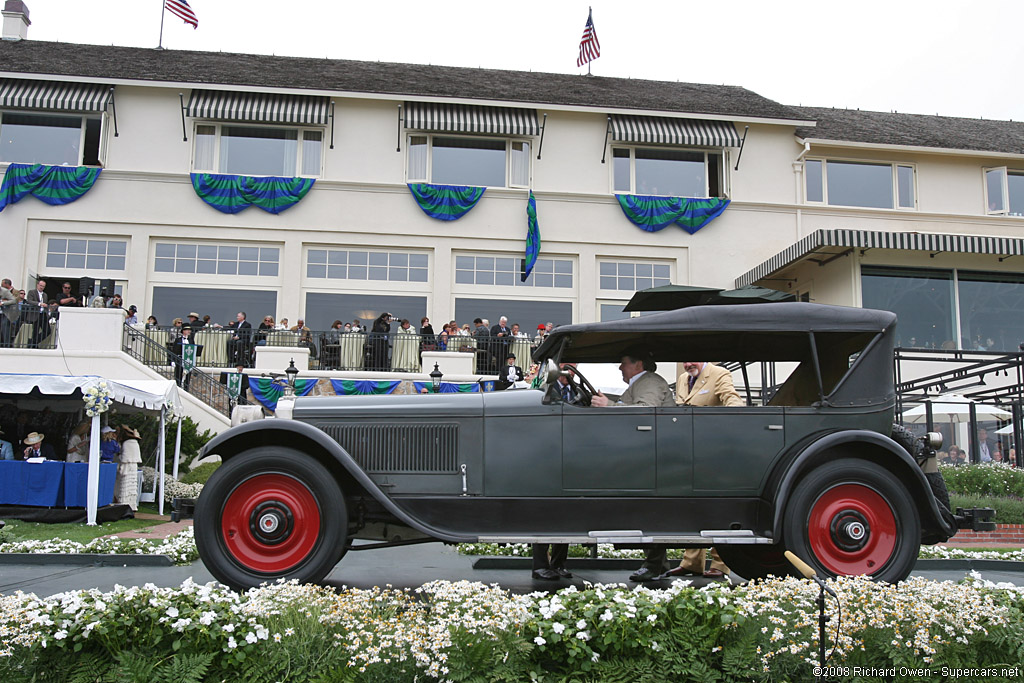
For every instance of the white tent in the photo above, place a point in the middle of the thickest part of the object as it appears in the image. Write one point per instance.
(157, 396)
(954, 408)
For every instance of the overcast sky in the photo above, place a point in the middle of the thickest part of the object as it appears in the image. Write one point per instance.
(934, 57)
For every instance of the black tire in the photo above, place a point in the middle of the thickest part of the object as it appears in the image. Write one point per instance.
(754, 562)
(270, 513)
(851, 517)
(904, 437)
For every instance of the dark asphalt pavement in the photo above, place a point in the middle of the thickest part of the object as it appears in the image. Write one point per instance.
(401, 567)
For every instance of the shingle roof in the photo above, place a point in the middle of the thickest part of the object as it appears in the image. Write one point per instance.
(401, 80)
(887, 128)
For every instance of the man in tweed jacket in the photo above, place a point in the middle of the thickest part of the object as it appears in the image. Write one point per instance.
(645, 387)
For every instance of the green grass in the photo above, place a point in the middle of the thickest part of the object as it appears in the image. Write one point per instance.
(1008, 510)
(17, 530)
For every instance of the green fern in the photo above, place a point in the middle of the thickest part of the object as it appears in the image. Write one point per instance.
(184, 668)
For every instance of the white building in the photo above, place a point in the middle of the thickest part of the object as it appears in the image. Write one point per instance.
(919, 214)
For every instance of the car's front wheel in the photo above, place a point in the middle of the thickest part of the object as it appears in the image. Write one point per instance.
(270, 513)
(850, 517)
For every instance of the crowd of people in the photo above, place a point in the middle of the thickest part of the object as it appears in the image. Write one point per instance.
(989, 451)
(51, 435)
(38, 309)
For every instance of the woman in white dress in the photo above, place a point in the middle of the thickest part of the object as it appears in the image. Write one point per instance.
(126, 486)
(406, 352)
(78, 444)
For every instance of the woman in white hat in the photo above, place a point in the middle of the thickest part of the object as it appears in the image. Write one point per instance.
(126, 486)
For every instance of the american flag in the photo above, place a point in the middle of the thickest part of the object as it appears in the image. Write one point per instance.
(180, 8)
(590, 48)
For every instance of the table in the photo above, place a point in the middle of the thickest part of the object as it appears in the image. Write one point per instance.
(405, 353)
(351, 351)
(76, 484)
(215, 348)
(31, 483)
(520, 348)
(156, 352)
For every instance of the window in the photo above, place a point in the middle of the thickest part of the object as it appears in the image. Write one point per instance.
(528, 314)
(339, 264)
(631, 276)
(257, 150)
(921, 298)
(1004, 191)
(59, 140)
(990, 306)
(505, 271)
(481, 162)
(860, 183)
(217, 259)
(667, 172)
(85, 253)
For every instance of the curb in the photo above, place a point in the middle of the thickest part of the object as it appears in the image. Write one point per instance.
(87, 559)
(524, 563)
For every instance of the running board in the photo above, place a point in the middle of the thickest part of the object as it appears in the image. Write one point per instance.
(638, 537)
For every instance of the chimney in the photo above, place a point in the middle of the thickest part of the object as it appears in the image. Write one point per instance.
(16, 21)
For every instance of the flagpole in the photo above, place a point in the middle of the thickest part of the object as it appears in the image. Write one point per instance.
(163, 10)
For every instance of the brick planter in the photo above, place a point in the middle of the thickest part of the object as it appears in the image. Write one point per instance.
(1004, 534)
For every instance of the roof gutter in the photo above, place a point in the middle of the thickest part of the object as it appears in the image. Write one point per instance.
(909, 149)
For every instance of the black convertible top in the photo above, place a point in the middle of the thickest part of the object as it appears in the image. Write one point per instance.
(798, 332)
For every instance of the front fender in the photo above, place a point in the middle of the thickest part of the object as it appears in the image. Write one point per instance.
(313, 442)
(858, 443)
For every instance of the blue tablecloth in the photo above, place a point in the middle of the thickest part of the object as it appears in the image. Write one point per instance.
(32, 483)
(76, 482)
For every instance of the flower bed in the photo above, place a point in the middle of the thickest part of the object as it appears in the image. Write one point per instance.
(463, 630)
(181, 547)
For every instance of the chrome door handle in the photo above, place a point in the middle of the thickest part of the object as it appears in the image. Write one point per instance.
(774, 428)
(643, 428)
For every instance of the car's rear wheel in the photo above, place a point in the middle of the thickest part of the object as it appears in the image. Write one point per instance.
(270, 513)
(755, 561)
(851, 517)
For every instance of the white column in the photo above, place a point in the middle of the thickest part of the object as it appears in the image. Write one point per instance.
(177, 448)
(161, 460)
(93, 480)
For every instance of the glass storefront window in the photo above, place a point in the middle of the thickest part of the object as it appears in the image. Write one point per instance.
(921, 298)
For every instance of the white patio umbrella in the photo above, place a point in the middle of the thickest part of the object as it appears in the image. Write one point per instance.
(1008, 429)
(954, 409)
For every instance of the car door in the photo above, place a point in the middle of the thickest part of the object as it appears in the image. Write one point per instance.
(734, 448)
(609, 451)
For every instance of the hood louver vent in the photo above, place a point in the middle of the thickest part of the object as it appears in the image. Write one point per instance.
(398, 447)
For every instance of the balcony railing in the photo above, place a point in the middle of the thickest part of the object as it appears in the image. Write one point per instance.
(27, 326)
(337, 350)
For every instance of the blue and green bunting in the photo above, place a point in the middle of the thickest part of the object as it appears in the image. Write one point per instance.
(532, 237)
(54, 185)
(234, 193)
(449, 388)
(445, 202)
(352, 387)
(268, 390)
(654, 213)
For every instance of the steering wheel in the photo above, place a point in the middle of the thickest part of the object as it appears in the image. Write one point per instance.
(583, 385)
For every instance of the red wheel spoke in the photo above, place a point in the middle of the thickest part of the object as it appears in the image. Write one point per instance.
(852, 530)
(270, 523)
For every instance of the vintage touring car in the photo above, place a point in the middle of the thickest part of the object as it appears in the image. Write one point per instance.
(812, 465)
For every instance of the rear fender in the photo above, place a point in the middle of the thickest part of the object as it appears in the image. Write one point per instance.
(313, 442)
(856, 443)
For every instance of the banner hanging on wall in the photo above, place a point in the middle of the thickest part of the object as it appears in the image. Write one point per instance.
(55, 185)
(234, 193)
(652, 213)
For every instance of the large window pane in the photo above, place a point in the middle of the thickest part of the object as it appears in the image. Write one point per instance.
(206, 147)
(1015, 188)
(670, 173)
(609, 312)
(322, 308)
(220, 304)
(418, 157)
(35, 139)
(258, 151)
(856, 184)
(905, 183)
(994, 189)
(812, 173)
(990, 310)
(528, 314)
(620, 163)
(464, 161)
(312, 144)
(921, 299)
(520, 164)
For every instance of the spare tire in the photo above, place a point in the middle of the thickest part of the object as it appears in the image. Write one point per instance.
(906, 438)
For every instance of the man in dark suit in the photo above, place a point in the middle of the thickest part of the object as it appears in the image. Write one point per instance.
(195, 321)
(485, 356)
(182, 374)
(36, 313)
(239, 346)
(501, 337)
(35, 448)
(986, 446)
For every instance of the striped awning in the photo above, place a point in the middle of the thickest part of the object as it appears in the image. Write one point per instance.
(54, 95)
(656, 130)
(258, 107)
(468, 118)
(864, 239)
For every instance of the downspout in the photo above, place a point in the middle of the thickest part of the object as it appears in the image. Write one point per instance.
(798, 172)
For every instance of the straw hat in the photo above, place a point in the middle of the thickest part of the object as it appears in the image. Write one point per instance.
(33, 438)
(193, 314)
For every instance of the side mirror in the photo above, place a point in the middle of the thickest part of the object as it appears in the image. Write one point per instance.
(551, 371)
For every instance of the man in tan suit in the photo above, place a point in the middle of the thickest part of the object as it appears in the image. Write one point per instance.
(645, 387)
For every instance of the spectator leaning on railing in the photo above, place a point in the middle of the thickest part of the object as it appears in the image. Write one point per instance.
(10, 321)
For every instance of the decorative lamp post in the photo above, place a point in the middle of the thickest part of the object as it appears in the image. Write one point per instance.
(291, 371)
(435, 378)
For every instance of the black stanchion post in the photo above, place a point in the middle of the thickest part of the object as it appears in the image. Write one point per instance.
(972, 438)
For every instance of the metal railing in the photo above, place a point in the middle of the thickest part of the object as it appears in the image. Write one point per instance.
(140, 345)
(27, 326)
(353, 351)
